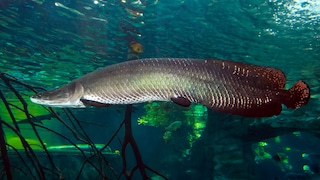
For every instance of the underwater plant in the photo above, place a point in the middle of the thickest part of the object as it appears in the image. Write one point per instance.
(190, 122)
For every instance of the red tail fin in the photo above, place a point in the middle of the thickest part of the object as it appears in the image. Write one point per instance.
(299, 95)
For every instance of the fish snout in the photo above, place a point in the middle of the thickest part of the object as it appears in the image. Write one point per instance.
(37, 96)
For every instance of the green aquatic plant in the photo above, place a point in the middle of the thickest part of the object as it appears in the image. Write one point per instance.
(172, 117)
(156, 114)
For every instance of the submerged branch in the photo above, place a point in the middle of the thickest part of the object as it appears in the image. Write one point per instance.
(129, 140)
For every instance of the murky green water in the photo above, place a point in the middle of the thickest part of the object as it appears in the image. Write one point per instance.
(48, 43)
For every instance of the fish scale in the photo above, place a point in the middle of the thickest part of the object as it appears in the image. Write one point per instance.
(162, 76)
(226, 86)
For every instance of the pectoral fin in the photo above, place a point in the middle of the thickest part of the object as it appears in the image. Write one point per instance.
(93, 103)
(181, 101)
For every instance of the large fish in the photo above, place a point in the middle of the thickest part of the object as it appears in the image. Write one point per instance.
(225, 86)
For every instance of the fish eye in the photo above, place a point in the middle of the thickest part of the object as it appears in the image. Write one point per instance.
(39, 95)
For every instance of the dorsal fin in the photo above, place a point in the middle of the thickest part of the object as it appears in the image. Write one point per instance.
(268, 77)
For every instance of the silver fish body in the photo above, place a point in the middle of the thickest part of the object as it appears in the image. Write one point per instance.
(225, 86)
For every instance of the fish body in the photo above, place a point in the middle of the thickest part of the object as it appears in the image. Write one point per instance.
(225, 86)
(174, 126)
(136, 47)
(167, 136)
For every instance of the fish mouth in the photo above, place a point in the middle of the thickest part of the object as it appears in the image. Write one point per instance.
(37, 98)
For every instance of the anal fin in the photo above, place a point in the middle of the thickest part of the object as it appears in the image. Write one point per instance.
(266, 110)
(93, 103)
(181, 101)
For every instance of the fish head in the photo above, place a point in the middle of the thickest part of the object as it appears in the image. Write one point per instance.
(66, 96)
